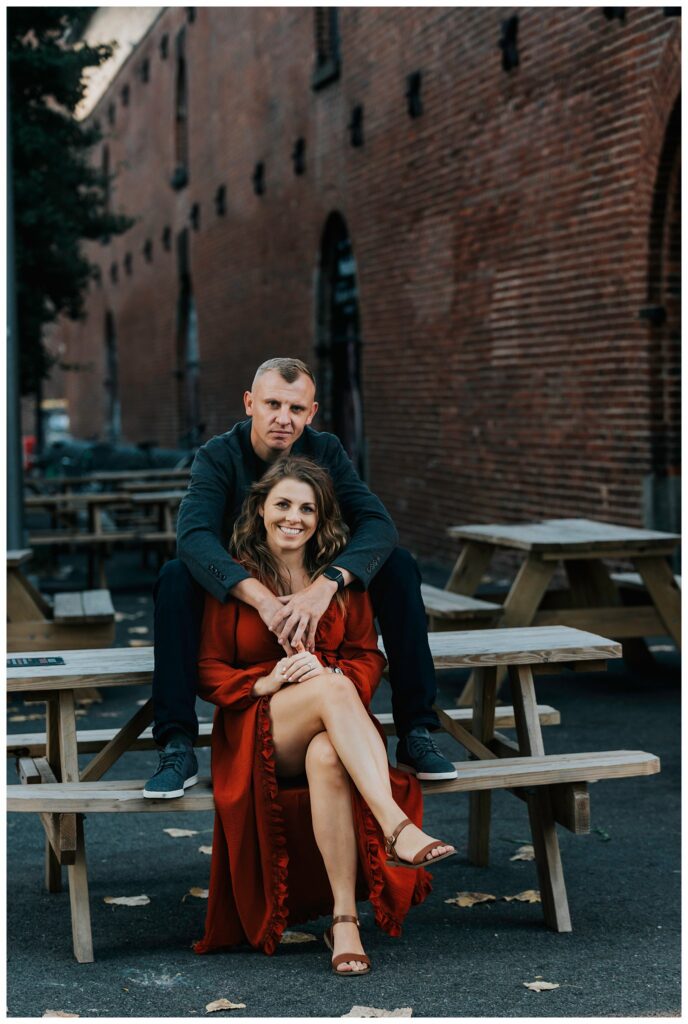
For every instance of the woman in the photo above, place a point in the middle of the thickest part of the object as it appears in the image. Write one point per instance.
(284, 852)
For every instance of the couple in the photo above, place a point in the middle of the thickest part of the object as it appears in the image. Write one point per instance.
(287, 649)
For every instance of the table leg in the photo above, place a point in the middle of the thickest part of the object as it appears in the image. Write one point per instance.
(470, 568)
(520, 606)
(659, 579)
(545, 842)
(53, 868)
(76, 873)
(484, 700)
(593, 587)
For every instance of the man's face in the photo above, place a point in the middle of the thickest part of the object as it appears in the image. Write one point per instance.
(280, 412)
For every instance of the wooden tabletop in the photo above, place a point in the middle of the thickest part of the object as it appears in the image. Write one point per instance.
(17, 557)
(76, 500)
(165, 497)
(556, 536)
(465, 649)
(111, 474)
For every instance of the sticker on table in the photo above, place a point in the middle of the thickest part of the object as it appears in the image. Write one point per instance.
(33, 662)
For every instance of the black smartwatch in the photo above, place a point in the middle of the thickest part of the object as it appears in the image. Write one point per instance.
(336, 576)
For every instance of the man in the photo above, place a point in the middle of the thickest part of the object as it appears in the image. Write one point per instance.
(280, 407)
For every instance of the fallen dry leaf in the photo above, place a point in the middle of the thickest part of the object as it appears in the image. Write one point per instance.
(140, 703)
(205, 849)
(138, 629)
(467, 899)
(290, 937)
(180, 833)
(122, 616)
(127, 901)
(541, 986)
(58, 1013)
(373, 1011)
(223, 1004)
(529, 896)
(200, 894)
(139, 643)
(25, 718)
(524, 853)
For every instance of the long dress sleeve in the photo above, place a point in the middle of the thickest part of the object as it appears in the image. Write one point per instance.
(220, 680)
(359, 656)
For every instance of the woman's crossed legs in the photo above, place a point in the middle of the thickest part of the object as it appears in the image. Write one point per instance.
(320, 725)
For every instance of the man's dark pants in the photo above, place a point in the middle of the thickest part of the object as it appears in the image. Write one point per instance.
(398, 606)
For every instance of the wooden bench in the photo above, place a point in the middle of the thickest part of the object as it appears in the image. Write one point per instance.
(448, 611)
(555, 787)
(84, 619)
(635, 581)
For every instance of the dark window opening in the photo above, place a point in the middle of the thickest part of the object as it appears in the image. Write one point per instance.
(148, 250)
(414, 104)
(327, 55)
(221, 201)
(258, 179)
(180, 175)
(128, 264)
(113, 414)
(298, 156)
(164, 47)
(188, 354)
(125, 93)
(338, 346)
(356, 126)
(663, 487)
(144, 71)
(107, 189)
(167, 239)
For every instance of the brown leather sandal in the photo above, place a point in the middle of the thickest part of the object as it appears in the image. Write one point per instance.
(343, 958)
(419, 861)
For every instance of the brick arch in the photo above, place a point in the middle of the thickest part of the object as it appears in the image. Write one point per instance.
(338, 340)
(662, 300)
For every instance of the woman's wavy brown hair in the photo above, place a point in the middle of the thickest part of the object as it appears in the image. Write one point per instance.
(249, 541)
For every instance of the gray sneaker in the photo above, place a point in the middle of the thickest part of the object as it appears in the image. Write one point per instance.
(418, 754)
(177, 770)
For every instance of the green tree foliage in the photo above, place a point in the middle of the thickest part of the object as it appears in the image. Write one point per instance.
(60, 200)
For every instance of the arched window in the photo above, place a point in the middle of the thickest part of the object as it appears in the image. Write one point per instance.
(338, 344)
(188, 354)
(113, 412)
(663, 509)
(180, 177)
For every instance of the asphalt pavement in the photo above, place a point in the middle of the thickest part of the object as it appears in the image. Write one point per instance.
(623, 880)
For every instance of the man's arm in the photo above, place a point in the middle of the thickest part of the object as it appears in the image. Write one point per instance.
(200, 542)
(373, 534)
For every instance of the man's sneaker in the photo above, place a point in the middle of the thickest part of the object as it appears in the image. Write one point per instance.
(177, 770)
(418, 754)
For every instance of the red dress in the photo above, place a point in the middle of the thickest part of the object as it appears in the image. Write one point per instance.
(266, 871)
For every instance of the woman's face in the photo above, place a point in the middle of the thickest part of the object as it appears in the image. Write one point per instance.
(290, 516)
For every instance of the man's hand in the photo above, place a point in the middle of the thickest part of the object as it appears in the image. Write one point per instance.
(268, 606)
(299, 614)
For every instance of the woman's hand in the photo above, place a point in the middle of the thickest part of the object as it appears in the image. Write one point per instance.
(301, 666)
(267, 685)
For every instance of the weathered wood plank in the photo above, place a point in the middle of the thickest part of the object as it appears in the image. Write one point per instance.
(98, 606)
(620, 623)
(17, 557)
(470, 567)
(577, 536)
(480, 804)
(119, 744)
(552, 769)
(635, 580)
(666, 595)
(444, 604)
(41, 636)
(68, 607)
(28, 772)
(121, 665)
(90, 741)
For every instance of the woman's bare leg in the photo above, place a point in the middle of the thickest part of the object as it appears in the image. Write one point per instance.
(333, 826)
(330, 703)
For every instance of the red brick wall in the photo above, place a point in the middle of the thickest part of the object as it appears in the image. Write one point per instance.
(502, 242)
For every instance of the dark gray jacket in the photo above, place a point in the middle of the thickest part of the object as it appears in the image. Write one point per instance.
(221, 476)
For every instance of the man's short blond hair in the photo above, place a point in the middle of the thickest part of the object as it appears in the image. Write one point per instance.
(287, 367)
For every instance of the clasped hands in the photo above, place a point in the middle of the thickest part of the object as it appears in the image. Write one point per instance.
(294, 618)
(296, 668)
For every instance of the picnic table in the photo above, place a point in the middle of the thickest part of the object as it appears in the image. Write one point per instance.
(114, 477)
(582, 546)
(72, 619)
(555, 787)
(103, 529)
